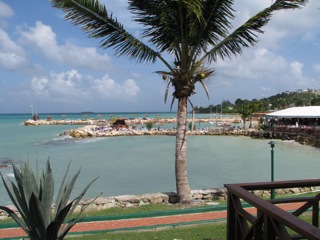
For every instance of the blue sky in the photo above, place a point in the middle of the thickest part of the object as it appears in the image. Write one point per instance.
(50, 64)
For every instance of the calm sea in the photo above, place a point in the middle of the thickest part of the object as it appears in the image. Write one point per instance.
(145, 164)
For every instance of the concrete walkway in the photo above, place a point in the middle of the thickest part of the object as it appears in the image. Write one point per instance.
(145, 222)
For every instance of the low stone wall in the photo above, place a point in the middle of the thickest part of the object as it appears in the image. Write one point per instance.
(302, 138)
(204, 196)
(124, 201)
(286, 191)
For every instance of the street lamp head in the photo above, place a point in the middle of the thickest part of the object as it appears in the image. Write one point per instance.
(272, 143)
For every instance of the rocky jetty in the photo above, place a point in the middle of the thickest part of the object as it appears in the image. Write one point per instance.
(131, 122)
(31, 122)
(100, 128)
(98, 131)
(309, 138)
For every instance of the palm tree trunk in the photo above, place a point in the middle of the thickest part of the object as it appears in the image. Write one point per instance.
(182, 184)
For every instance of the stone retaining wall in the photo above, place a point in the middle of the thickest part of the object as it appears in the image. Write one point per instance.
(204, 196)
(302, 138)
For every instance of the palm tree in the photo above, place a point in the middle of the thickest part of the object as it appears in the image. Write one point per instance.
(195, 33)
(253, 106)
(243, 109)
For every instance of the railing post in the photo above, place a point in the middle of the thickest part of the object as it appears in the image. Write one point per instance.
(271, 221)
(269, 232)
(315, 214)
(231, 218)
(258, 230)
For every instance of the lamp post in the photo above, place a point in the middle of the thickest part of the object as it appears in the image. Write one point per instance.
(272, 144)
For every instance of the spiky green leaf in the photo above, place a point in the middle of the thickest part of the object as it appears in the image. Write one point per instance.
(54, 229)
(80, 196)
(36, 213)
(15, 218)
(67, 189)
(61, 190)
(14, 195)
(29, 182)
(37, 216)
(48, 191)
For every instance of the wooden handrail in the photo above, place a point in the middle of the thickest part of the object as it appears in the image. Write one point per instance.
(279, 217)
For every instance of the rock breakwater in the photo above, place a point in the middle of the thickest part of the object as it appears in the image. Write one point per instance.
(97, 131)
(132, 121)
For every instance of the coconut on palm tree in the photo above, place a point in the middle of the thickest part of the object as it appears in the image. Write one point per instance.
(195, 33)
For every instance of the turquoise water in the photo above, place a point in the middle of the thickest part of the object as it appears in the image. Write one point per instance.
(145, 164)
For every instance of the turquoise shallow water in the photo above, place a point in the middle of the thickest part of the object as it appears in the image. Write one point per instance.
(145, 164)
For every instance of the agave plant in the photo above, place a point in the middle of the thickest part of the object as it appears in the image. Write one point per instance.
(32, 194)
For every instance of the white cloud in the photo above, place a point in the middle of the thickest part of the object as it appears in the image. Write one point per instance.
(5, 10)
(300, 23)
(109, 89)
(255, 63)
(12, 56)
(67, 83)
(298, 20)
(296, 69)
(265, 72)
(39, 85)
(316, 68)
(72, 86)
(43, 39)
(59, 85)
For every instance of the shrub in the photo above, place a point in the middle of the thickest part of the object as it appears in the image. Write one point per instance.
(149, 125)
(32, 194)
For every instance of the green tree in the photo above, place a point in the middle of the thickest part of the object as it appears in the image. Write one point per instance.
(149, 125)
(243, 108)
(253, 107)
(194, 33)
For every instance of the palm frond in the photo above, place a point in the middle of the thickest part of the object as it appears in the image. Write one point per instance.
(247, 34)
(167, 92)
(172, 102)
(94, 19)
(167, 23)
(205, 88)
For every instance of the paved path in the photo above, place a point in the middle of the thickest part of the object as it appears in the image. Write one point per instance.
(144, 222)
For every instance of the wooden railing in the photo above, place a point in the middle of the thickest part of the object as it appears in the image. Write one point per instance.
(266, 220)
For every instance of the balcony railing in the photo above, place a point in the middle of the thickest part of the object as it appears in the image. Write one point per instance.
(268, 221)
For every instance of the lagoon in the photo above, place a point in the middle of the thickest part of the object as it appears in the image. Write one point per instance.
(145, 164)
